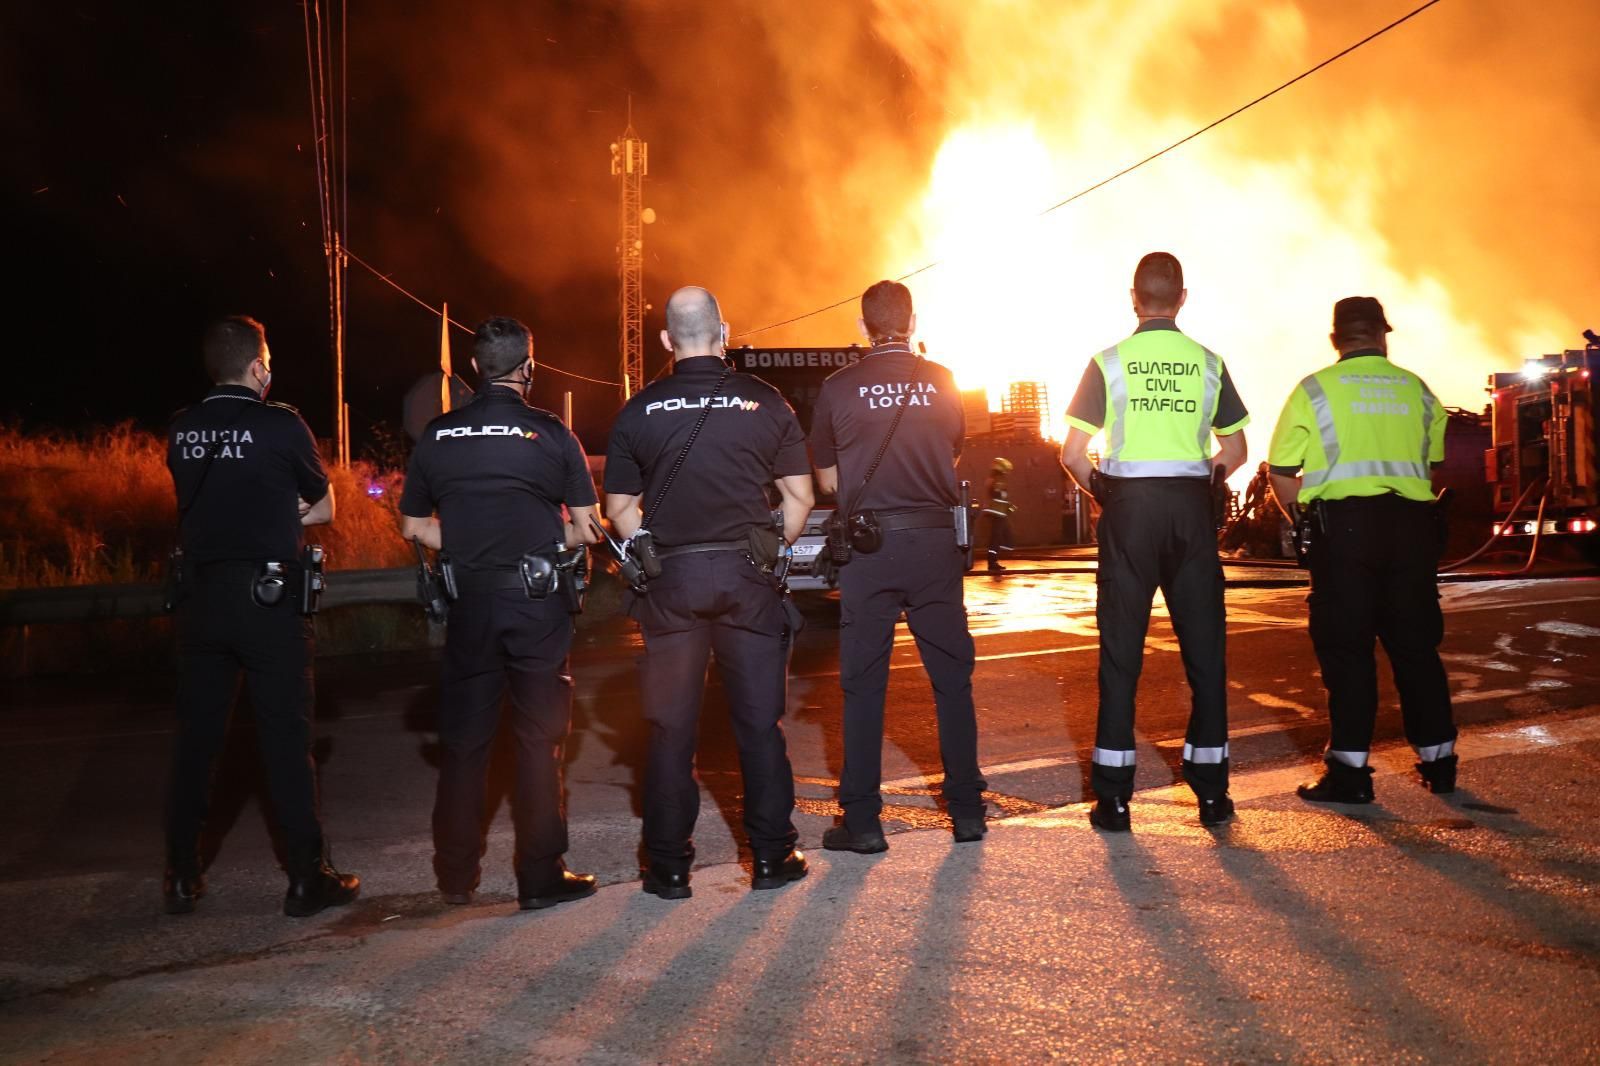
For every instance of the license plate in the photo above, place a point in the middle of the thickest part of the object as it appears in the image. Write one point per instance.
(804, 550)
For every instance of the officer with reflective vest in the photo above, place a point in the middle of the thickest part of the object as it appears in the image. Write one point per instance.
(705, 495)
(1159, 397)
(511, 489)
(1355, 449)
(916, 570)
(248, 480)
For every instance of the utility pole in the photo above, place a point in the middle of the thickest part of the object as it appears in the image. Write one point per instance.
(630, 161)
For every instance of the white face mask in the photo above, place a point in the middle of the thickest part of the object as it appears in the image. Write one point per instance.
(264, 377)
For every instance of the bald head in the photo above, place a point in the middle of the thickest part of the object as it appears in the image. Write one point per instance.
(694, 323)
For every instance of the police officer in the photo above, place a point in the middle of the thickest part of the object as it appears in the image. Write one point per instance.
(917, 571)
(248, 479)
(706, 522)
(998, 511)
(1159, 397)
(1356, 444)
(499, 473)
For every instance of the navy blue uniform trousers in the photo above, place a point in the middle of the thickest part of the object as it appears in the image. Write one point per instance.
(917, 572)
(222, 634)
(497, 642)
(705, 603)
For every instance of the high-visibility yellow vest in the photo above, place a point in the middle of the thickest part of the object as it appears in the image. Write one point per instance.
(1162, 391)
(1361, 427)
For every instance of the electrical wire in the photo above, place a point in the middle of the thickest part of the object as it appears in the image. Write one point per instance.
(419, 301)
(1152, 157)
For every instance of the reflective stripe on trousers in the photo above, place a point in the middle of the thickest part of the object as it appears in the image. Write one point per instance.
(1107, 757)
(1204, 755)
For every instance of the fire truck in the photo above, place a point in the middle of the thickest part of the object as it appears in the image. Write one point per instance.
(1543, 464)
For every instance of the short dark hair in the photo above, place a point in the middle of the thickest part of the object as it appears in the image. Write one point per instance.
(886, 310)
(1158, 281)
(500, 345)
(231, 344)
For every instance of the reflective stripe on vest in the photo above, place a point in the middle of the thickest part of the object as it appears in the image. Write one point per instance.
(1322, 408)
(1116, 436)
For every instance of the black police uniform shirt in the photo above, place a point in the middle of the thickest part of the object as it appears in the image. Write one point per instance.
(853, 415)
(750, 439)
(240, 466)
(497, 471)
(1089, 402)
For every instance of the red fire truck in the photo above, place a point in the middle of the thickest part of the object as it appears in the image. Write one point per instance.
(1544, 462)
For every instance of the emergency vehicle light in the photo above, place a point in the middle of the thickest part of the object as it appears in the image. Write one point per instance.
(1534, 369)
(1581, 525)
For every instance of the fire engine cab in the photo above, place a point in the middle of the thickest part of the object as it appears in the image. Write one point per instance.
(1542, 463)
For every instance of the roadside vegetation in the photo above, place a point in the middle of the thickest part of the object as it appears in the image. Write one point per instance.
(97, 508)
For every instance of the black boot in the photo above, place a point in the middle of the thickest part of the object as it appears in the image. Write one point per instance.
(182, 888)
(317, 888)
(1111, 815)
(1439, 774)
(1339, 783)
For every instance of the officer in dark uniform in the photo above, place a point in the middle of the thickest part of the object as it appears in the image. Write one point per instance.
(917, 571)
(710, 596)
(1160, 397)
(498, 472)
(248, 479)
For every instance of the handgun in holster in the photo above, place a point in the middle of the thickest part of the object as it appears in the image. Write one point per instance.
(313, 578)
(1310, 527)
(572, 576)
(1221, 498)
(962, 514)
(433, 590)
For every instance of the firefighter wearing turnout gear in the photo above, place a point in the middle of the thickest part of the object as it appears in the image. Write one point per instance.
(997, 512)
(486, 486)
(709, 521)
(1354, 449)
(248, 479)
(1159, 397)
(917, 570)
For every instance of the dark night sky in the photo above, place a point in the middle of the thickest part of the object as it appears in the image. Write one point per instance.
(156, 175)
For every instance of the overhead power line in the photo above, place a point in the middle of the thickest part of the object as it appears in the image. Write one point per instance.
(1152, 157)
(414, 298)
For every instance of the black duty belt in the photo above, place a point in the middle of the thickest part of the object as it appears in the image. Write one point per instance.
(919, 518)
(707, 546)
(214, 567)
(1376, 502)
(489, 579)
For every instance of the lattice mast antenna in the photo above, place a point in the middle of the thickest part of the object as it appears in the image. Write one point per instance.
(630, 162)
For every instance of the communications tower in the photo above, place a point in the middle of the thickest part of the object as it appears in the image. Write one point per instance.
(630, 161)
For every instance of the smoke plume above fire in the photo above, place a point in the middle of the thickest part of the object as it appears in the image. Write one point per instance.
(799, 152)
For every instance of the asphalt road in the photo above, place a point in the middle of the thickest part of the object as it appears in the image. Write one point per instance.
(82, 760)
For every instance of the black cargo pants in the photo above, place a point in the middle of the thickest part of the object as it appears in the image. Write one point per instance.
(499, 641)
(705, 603)
(222, 633)
(1373, 580)
(1157, 533)
(917, 572)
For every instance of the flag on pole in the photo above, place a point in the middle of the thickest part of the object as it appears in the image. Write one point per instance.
(444, 358)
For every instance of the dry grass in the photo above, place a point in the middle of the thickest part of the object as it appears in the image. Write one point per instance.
(98, 509)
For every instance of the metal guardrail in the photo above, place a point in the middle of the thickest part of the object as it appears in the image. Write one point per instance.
(87, 603)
